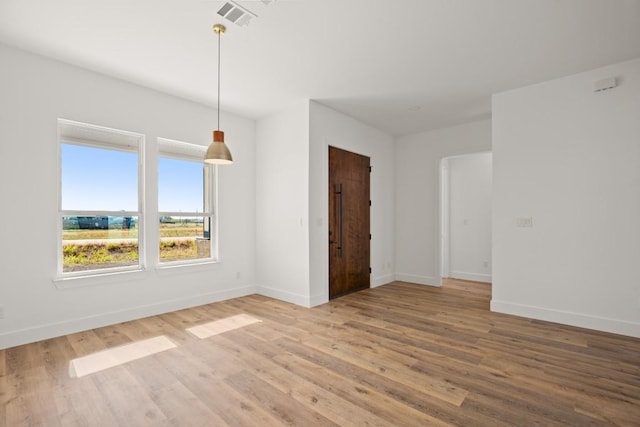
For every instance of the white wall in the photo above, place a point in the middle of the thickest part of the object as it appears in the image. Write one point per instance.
(569, 159)
(470, 217)
(282, 207)
(330, 128)
(34, 93)
(417, 202)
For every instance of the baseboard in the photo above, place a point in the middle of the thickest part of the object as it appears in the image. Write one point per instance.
(420, 280)
(319, 300)
(52, 330)
(475, 277)
(604, 324)
(296, 299)
(382, 280)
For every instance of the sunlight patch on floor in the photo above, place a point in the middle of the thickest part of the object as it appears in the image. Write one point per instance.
(106, 359)
(223, 325)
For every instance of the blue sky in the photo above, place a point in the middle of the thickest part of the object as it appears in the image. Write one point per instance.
(100, 179)
(179, 185)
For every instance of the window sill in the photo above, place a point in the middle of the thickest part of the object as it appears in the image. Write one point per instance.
(69, 282)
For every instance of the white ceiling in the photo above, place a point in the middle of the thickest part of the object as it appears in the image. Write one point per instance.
(402, 66)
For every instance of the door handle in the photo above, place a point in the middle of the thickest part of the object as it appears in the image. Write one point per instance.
(339, 193)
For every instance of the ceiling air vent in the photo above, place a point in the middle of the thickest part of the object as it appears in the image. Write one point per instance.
(236, 13)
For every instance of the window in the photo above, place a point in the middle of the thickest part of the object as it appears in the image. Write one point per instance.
(185, 203)
(100, 202)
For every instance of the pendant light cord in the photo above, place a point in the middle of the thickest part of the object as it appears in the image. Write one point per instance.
(219, 33)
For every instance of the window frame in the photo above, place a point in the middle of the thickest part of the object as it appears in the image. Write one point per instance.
(180, 150)
(78, 133)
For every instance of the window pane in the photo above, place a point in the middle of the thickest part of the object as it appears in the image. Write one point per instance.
(98, 179)
(180, 185)
(182, 238)
(97, 242)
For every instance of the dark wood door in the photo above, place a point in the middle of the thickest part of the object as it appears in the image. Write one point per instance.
(349, 220)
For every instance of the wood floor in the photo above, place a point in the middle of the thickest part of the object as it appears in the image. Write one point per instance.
(397, 355)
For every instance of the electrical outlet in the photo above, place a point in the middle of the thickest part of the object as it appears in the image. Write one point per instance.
(1, 312)
(486, 264)
(524, 222)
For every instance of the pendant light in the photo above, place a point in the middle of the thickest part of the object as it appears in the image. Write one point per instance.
(218, 153)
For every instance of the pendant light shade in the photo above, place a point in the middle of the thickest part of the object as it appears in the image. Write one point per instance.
(218, 153)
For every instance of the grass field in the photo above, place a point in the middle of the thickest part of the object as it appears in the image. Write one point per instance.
(98, 252)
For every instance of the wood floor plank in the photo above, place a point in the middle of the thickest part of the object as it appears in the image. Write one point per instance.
(175, 400)
(56, 354)
(574, 361)
(152, 373)
(113, 336)
(4, 388)
(157, 326)
(81, 403)
(278, 403)
(261, 361)
(389, 365)
(508, 390)
(138, 331)
(3, 363)
(368, 399)
(86, 342)
(204, 377)
(120, 389)
(399, 354)
(609, 411)
(502, 411)
(564, 377)
(31, 402)
(425, 339)
(23, 358)
(7, 394)
(333, 407)
(413, 399)
(460, 322)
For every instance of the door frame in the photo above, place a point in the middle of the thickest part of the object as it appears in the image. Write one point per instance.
(444, 213)
(444, 218)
